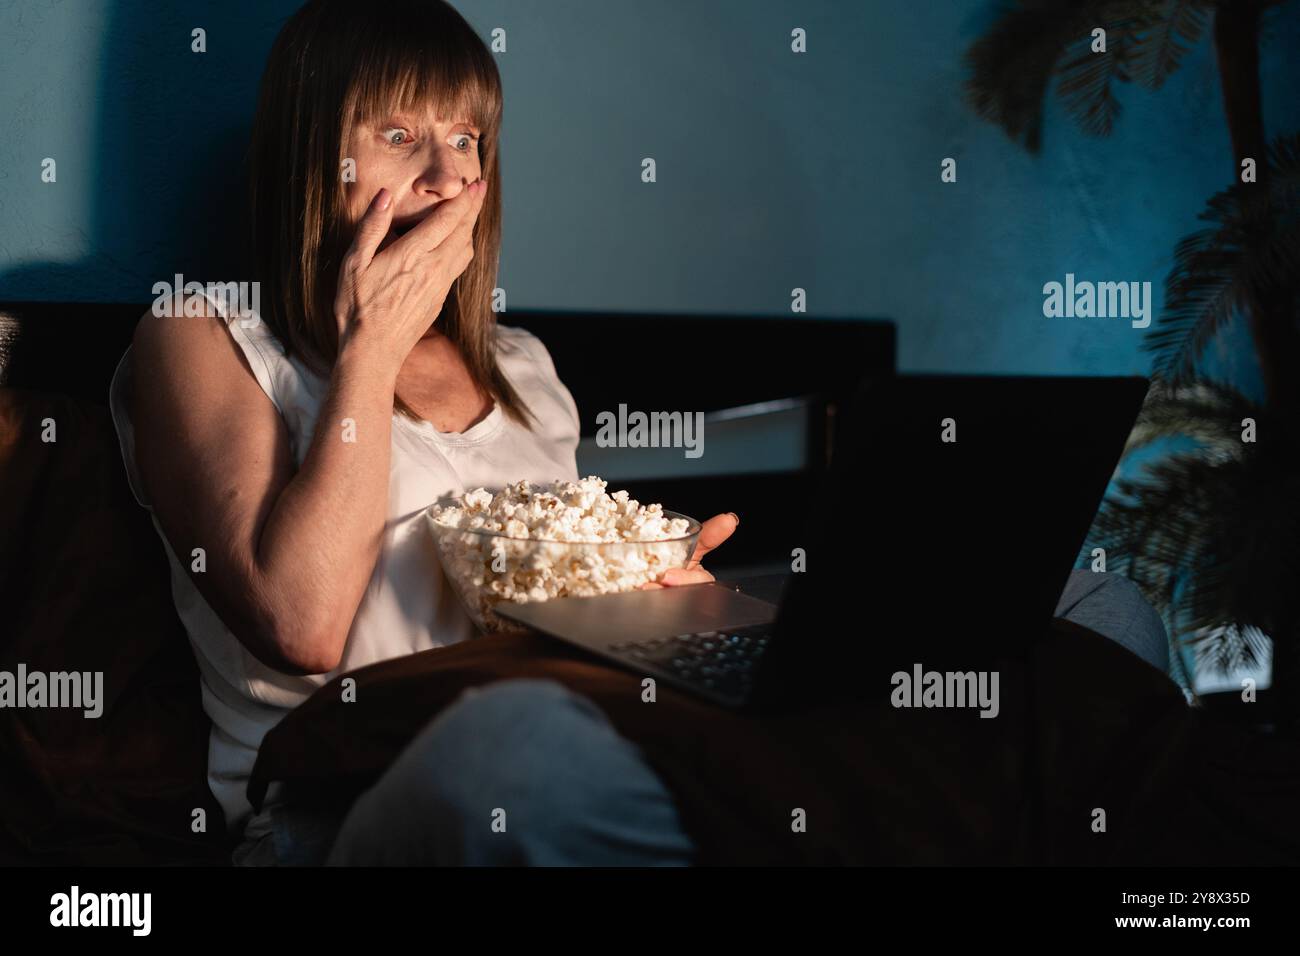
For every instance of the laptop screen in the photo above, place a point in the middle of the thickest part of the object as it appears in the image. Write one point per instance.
(952, 513)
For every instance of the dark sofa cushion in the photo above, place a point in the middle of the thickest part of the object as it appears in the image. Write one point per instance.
(84, 587)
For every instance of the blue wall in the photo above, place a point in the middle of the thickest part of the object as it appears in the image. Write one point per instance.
(775, 170)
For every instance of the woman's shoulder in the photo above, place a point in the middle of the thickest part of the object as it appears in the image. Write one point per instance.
(185, 337)
(191, 338)
(516, 342)
(515, 337)
(528, 363)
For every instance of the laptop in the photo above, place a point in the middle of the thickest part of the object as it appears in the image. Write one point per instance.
(945, 529)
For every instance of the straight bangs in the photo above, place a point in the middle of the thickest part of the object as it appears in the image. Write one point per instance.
(403, 70)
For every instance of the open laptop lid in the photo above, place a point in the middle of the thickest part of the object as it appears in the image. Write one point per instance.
(953, 511)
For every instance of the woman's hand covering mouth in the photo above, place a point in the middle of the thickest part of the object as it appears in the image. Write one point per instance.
(401, 227)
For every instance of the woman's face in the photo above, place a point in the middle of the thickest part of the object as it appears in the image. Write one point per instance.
(422, 161)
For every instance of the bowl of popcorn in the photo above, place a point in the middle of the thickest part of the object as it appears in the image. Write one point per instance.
(538, 541)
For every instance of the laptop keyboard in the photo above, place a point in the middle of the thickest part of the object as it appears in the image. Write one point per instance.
(721, 661)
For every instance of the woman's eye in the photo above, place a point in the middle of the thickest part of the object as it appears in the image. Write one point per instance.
(394, 137)
(469, 142)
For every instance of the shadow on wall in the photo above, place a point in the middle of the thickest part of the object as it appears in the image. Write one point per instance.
(165, 159)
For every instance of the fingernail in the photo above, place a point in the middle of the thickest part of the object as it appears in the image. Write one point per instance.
(736, 516)
(382, 199)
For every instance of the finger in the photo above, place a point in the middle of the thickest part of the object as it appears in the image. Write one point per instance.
(371, 230)
(676, 577)
(650, 586)
(462, 237)
(712, 533)
(463, 234)
(434, 229)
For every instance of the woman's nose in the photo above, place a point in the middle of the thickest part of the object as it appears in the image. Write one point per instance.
(442, 178)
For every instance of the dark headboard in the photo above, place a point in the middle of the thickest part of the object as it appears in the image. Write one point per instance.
(704, 363)
(74, 347)
(691, 363)
(68, 347)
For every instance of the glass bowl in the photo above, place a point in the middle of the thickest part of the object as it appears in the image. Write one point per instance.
(488, 567)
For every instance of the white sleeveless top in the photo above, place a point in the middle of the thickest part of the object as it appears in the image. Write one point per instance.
(409, 605)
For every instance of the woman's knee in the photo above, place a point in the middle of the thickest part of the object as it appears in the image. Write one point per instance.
(556, 781)
(1115, 607)
(526, 771)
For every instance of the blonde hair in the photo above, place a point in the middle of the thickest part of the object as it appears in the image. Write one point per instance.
(336, 64)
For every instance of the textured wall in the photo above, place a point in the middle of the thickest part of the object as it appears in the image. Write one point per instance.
(775, 170)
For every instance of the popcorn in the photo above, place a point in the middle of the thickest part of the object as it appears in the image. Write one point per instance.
(558, 539)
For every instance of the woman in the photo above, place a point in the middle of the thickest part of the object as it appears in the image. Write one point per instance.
(287, 458)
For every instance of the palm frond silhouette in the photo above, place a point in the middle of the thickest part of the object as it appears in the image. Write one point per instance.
(1211, 535)
(1250, 253)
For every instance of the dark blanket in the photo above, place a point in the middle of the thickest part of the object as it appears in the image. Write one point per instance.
(84, 587)
(1084, 725)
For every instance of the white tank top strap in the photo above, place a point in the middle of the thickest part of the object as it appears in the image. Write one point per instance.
(292, 387)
